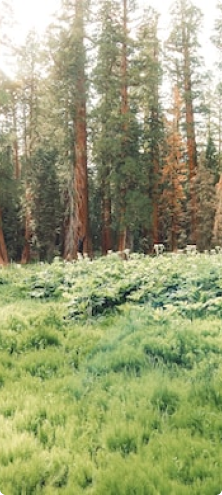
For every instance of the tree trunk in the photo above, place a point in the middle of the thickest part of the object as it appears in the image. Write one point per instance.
(190, 131)
(155, 172)
(155, 233)
(15, 143)
(29, 131)
(106, 216)
(124, 111)
(3, 248)
(155, 154)
(80, 132)
(26, 253)
(69, 224)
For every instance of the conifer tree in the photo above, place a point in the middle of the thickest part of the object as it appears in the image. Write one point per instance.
(105, 116)
(69, 68)
(174, 177)
(205, 201)
(148, 92)
(184, 62)
(115, 146)
(29, 104)
(211, 159)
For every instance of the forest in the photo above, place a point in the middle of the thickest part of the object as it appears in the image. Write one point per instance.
(108, 134)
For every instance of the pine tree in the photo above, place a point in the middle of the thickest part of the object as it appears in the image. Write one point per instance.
(80, 130)
(174, 176)
(211, 159)
(206, 204)
(46, 209)
(105, 116)
(115, 146)
(148, 93)
(182, 49)
(70, 91)
(29, 104)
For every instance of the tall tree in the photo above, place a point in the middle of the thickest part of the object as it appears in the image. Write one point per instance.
(206, 203)
(148, 64)
(183, 46)
(124, 120)
(174, 176)
(116, 145)
(105, 116)
(69, 68)
(30, 77)
(80, 133)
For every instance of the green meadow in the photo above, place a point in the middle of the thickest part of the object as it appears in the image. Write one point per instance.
(111, 377)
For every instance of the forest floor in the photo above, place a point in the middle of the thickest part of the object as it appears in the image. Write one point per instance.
(111, 377)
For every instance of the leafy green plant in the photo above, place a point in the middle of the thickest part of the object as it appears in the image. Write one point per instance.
(123, 402)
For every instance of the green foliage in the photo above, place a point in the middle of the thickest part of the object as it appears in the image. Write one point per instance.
(124, 403)
(47, 207)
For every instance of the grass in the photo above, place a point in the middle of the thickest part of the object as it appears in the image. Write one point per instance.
(126, 400)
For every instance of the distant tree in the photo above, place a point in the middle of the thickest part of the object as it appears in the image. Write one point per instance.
(184, 64)
(105, 115)
(29, 69)
(174, 176)
(115, 128)
(149, 79)
(211, 159)
(46, 210)
(70, 93)
(204, 185)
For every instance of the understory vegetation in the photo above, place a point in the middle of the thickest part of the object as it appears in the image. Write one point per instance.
(111, 376)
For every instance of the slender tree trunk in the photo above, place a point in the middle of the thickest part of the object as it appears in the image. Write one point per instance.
(155, 194)
(174, 216)
(106, 214)
(68, 248)
(3, 248)
(124, 112)
(26, 252)
(15, 143)
(155, 158)
(80, 132)
(190, 131)
(28, 149)
(69, 223)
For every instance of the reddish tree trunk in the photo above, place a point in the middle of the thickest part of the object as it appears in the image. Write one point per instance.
(80, 128)
(190, 131)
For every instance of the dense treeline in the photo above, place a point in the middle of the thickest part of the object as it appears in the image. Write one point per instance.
(109, 136)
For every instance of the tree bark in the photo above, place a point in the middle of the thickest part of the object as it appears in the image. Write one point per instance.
(26, 252)
(80, 132)
(3, 248)
(106, 216)
(124, 111)
(190, 131)
(15, 142)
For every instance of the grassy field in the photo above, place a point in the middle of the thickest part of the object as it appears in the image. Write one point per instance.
(111, 377)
